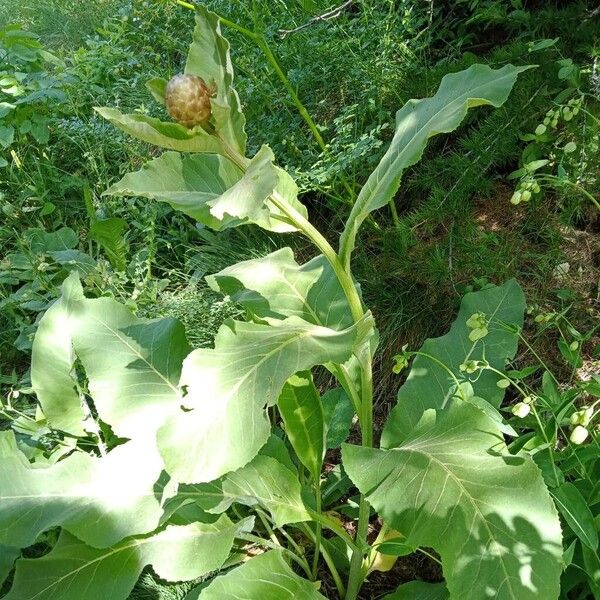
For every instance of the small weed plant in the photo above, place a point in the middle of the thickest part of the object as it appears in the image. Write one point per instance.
(207, 465)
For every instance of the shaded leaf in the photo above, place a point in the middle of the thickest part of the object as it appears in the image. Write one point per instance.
(576, 512)
(264, 576)
(419, 590)
(339, 412)
(109, 234)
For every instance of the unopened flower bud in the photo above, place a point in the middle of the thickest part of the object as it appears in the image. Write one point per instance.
(521, 410)
(579, 435)
(187, 99)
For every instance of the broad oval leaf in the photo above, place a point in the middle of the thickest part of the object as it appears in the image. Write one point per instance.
(223, 423)
(100, 500)
(73, 571)
(264, 576)
(429, 385)
(264, 481)
(489, 516)
(416, 122)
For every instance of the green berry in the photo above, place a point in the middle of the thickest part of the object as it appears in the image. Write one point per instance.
(516, 198)
(187, 99)
(579, 435)
(525, 196)
(540, 130)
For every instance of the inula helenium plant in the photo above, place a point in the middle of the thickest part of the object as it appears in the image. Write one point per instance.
(191, 461)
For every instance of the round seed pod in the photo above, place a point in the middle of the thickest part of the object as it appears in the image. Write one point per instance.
(187, 99)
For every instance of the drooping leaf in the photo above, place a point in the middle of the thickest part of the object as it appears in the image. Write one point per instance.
(211, 189)
(339, 412)
(209, 59)
(576, 512)
(447, 486)
(52, 359)
(228, 388)
(109, 234)
(429, 385)
(419, 120)
(263, 481)
(132, 365)
(264, 576)
(419, 590)
(100, 500)
(171, 136)
(73, 571)
(302, 412)
(276, 286)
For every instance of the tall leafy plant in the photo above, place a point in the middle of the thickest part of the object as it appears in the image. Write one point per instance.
(189, 461)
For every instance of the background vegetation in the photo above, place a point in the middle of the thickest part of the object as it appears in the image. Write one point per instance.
(457, 229)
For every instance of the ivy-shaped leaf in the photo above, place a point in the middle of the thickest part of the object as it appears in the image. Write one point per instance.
(73, 571)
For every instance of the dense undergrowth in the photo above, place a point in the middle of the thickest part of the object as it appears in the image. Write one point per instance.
(452, 229)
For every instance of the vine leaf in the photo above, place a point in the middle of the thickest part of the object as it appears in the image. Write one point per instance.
(264, 576)
(264, 481)
(489, 516)
(419, 120)
(212, 190)
(229, 387)
(72, 570)
(99, 500)
(429, 384)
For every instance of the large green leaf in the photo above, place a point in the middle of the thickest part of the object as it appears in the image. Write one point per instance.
(132, 365)
(429, 384)
(266, 576)
(223, 423)
(264, 481)
(212, 190)
(419, 590)
(276, 286)
(419, 120)
(74, 571)
(171, 136)
(209, 58)
(447, 486)
(100, 500)
(302, 412)
(52, 359)
(8, 555)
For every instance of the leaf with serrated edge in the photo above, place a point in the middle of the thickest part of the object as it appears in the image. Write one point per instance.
(100, 500)
(429, 384)
(263, 481)
(229, 387)
(419, 120)
(266, 576)
(74, 571)
(490, 517)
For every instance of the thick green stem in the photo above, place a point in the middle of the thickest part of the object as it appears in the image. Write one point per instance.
(318, 532)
